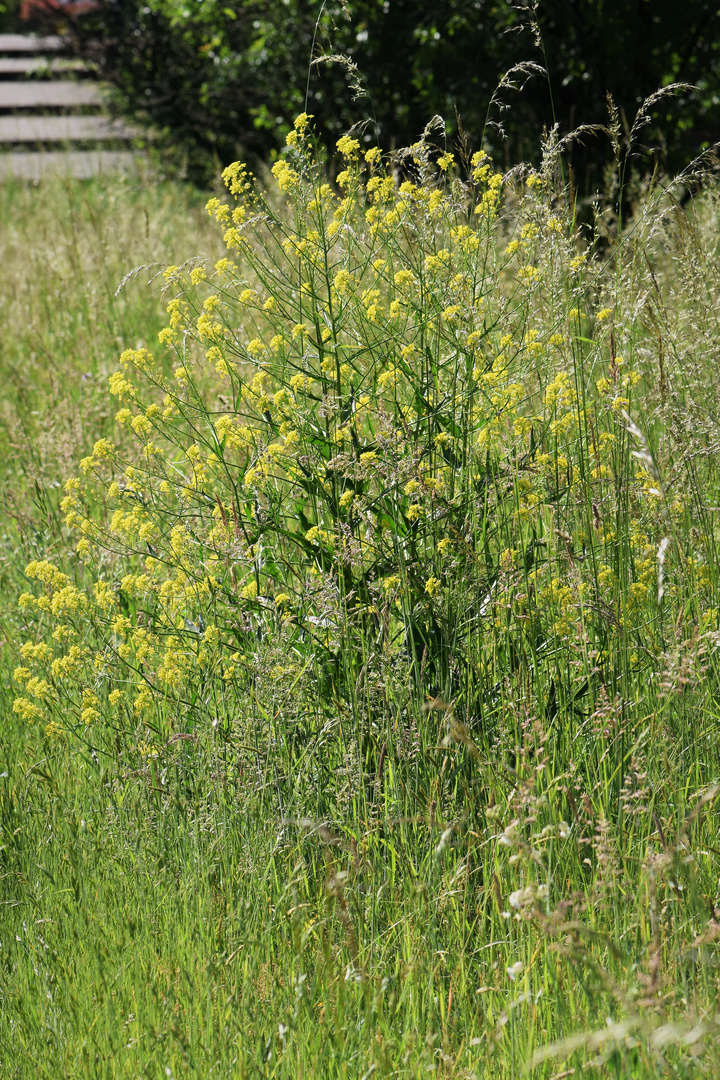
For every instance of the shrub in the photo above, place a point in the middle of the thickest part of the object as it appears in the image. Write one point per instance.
(9, 14)
(392, 447)
(226, 81)
(387, 689)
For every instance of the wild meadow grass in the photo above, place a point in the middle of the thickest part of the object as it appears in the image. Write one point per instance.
(360, 686)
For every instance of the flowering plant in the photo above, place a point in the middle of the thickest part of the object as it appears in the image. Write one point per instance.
(372, 441)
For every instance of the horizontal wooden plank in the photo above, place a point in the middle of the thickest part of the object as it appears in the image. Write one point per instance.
(24, 43)
(80, 164)
(48, 129)
(33, 65)
(43, 95)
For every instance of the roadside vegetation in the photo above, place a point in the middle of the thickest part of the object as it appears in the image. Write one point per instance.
(360, 623)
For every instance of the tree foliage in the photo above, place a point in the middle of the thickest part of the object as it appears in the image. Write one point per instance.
(226, 77)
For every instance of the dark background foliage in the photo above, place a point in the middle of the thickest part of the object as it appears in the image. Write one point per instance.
(225, 78)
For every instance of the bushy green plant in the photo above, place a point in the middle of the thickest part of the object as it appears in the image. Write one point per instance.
(393, 446)
(9, 17)
(374, 725)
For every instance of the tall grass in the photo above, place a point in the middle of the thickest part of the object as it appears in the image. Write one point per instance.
(66, 248)
(369, 726)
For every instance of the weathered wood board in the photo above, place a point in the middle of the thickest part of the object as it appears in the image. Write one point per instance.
(49, 129)
(34, 65)
(44, 95)
(24, 43)
(80, 164)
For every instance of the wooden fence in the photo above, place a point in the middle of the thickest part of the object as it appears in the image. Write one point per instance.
(53, 114)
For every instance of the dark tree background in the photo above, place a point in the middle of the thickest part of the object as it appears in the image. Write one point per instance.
(225, 78)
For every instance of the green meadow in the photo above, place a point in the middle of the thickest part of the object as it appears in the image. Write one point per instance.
(359, 623)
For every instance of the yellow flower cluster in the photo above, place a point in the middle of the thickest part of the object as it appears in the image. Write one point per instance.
(375, 408)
